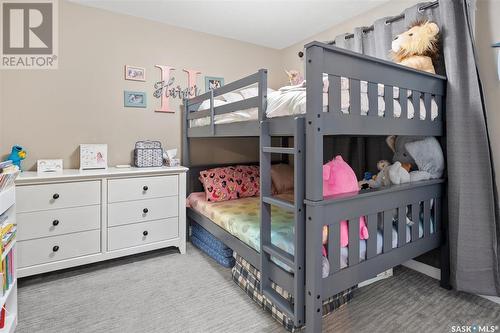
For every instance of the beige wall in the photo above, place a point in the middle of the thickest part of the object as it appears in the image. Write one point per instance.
(51, 112)
(1, 115)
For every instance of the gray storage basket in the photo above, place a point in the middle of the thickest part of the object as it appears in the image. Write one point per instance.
(148, 154)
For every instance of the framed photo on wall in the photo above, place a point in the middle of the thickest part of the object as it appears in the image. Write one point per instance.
(212, 82)
(135, 73)
(134, 99)
(93, 156)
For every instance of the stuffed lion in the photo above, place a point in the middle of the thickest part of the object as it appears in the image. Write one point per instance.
(417, 47)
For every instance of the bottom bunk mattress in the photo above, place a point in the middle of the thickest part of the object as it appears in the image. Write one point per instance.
(247, 278)
(241, 219)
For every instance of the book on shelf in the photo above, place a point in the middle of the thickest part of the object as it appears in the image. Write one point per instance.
(2, 317)
(5, 164)
(7, 272)
(8, 174)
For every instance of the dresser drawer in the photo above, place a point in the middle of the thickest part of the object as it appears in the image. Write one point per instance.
(142, 188)
(142, 233)
(44, 250)
(127, 212)
(57, 222)
(55, 196)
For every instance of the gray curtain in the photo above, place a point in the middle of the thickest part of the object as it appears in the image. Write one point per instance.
(473, 208)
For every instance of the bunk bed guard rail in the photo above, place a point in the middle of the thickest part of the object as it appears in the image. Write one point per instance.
(192, 105)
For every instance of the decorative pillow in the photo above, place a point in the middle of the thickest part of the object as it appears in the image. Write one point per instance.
(282, 178)
(229, 183)
(232, 97)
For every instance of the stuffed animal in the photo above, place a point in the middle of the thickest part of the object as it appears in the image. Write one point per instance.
(17, 155)
(294, 77)
(417, 47)
(339, 178)
(382, 178)
(415, 159)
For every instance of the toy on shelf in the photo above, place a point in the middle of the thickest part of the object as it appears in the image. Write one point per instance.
(417, 47)
(17, 155)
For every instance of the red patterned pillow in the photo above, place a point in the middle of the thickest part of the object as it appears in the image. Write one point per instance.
(228, 183)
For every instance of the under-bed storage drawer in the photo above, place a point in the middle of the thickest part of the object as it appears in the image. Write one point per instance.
(142, 210)
(55, 196)
(126, 236)
(142, 188)
(49, 249)
(58, 222)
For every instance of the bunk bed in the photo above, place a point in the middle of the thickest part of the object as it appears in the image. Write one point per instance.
(424, 201)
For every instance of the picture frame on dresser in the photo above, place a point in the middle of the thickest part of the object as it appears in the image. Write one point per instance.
(93, 156)
(80, 217)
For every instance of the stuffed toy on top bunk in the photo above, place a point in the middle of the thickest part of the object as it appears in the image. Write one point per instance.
(417, 47)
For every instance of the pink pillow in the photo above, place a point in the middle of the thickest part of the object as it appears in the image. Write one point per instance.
(228, 183)
(339, 178)
(282, 178)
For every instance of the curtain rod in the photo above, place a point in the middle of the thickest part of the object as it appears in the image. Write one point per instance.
(397, 18)
(388, 21)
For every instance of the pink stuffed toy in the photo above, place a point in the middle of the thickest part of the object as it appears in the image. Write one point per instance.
(339, 178)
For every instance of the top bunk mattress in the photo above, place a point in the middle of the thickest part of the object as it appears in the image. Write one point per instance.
(291, 100)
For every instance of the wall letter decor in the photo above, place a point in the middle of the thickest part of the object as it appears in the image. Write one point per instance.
(192, 75)
(165, 81)
(165, 89)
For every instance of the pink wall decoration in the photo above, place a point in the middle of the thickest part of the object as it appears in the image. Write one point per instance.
(165, 82)
(165, 89)
(192, 75)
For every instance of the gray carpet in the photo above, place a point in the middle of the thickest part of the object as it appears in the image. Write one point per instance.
(167, 292)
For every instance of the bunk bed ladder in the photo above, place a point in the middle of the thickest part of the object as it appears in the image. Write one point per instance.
(295, 262)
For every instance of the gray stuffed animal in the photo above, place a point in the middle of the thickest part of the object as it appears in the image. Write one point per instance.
(424, 154)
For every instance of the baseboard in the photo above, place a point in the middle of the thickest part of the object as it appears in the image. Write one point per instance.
(435, 273)
(492, 298)
(381, 276)
(420, 267)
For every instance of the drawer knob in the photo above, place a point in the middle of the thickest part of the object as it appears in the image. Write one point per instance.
(145, 188)
(55, 248)
(145, 232)
(145, 210)
(55, 222)
(55, 196)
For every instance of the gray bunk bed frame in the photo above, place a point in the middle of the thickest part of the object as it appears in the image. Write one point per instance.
(311, 210)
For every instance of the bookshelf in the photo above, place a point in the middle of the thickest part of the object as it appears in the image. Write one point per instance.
(8, 294)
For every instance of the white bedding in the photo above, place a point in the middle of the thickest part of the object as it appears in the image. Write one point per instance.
(290, 101)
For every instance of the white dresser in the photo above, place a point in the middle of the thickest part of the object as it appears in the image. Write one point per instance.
(80, 217)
